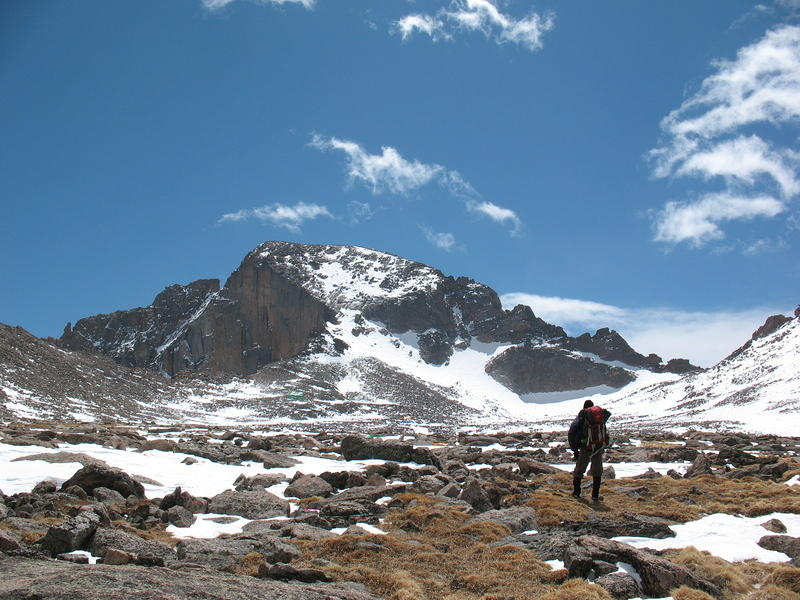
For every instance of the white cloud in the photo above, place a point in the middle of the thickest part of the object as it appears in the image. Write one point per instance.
(703, 138)
(697, 222)
(383, 172)
(431, 26)
(390, 172)
(744, 158)
(496, 213)
(704, 338)
(280, 215)
(482, 16)
(445, 241)
(219, 4)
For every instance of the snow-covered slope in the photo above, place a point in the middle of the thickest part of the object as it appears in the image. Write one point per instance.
(757, 389)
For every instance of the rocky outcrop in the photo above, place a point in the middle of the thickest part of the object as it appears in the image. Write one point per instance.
(610, 345)
(548, 369)
(95, 476)
(258, 317)
(59, 580)
(659, 576)
(770, 326)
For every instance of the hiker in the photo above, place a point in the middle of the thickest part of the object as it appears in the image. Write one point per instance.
(588, 438)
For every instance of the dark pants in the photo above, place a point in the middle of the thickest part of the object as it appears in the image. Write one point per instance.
(584, 458)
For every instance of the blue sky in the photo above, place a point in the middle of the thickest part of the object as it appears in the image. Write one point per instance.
(631, 164)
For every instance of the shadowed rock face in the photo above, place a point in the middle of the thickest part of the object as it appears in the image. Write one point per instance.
(257, 318)
(534, 370)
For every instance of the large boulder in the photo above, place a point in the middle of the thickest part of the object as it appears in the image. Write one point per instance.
(358, 448)
(227, 553)
(307, 486)
(60, 580)
(517, 519)
(72, 534)
(106, 538)
(473, 493)
(787, 544)
(659, 576)
(180, 498)
(251, 505)
(96, 475)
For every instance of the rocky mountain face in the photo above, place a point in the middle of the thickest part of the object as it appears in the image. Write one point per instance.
(288, 299)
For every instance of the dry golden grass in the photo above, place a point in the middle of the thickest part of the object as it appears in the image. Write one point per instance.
(785, 576)
(678, 500)
(772, 592)
(30, 537)
(687, 593)
(250, 563)
(431, 553)
(577, 589)
(158, 533)
(726, 576)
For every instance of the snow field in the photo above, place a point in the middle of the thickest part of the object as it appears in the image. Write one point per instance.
(204, 478)
(733, 538)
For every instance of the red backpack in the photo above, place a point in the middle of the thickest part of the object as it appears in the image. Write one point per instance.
(595, 433)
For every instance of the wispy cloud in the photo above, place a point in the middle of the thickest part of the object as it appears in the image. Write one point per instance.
(478, 16)
(697, 222)
(496, 213)
(703, 138)
(280, 215)
(384, 172)
(390, 172)
(445, 241)
(705, 338)
(219, 4)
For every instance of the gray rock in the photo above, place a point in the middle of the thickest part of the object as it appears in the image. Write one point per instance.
(528, 466)
(180, 516)
(307, 486)
(787, 544)
(64, 457)
(428, 484)
(57, 580)
(517, 519)
(227, 553)
(271, 460)
(94, 476)
(180, 498)
(658, 574)
(107, 496)
(619, 585)
(8, 543)
(257, 482)
(73, 534)
(252, 505)
(118, 557)
(357, 448)
(44, 487)
(105, 538)
(700, 466)
(451, 490)
(474, 495)
(287, 572)
(774, 525)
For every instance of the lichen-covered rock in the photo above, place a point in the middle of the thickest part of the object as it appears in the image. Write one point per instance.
(58, 580)
(94, 476)
(307, 486)
(252, 505)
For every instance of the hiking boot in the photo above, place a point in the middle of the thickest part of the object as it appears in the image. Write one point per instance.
(576, 487)
(596, 489)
